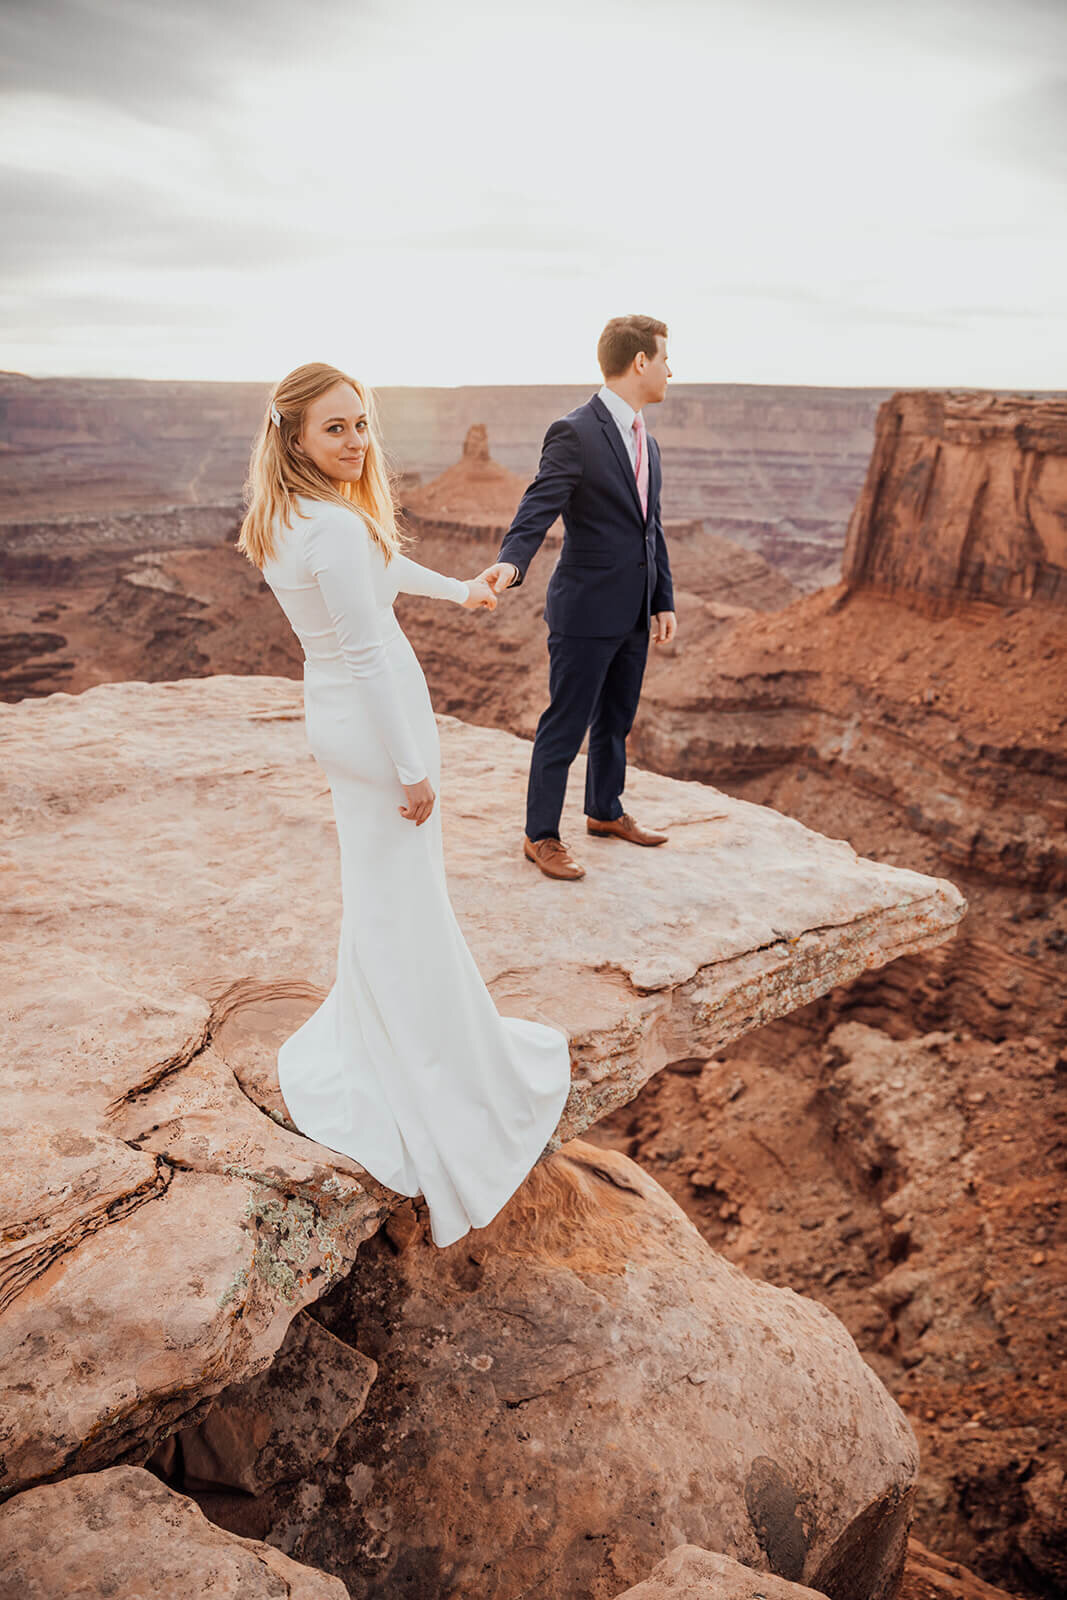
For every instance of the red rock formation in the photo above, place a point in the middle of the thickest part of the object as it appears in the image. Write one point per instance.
(829, 1157)
(903, 1182)
(955, 730)
(944, 744)
(476, 489)
(929, 1576)
(690, 1573)
(965, 499)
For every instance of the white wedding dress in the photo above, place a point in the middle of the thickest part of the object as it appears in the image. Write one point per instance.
(407, 1066)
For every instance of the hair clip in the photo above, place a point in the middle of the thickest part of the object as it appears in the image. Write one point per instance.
(275, 415)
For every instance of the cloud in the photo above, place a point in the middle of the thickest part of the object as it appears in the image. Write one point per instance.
(1028, 127)
(153, 60)
(825, 186)
(69, 223)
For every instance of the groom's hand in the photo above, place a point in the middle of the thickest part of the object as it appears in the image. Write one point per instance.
(500, 576)
(664, 627)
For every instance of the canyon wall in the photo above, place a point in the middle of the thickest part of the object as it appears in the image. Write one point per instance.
(965, 500)
(775, 469)
(67, 550)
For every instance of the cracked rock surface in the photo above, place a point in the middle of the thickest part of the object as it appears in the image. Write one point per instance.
(167, 852)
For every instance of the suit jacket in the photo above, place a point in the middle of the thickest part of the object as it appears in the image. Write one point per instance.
(613, 571)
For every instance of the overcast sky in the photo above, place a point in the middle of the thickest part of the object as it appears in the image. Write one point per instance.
(425, 192)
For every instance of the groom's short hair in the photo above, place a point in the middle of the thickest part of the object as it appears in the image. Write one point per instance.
(623, 338)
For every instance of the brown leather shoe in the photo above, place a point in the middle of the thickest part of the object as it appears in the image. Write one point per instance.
(553, 857)
(623, 827)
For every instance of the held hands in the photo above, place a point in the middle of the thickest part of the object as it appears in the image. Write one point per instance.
(482, 596)
(664, 627)
(420, 798)
(500, 576)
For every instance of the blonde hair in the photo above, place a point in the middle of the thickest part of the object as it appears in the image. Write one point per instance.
(277, 472)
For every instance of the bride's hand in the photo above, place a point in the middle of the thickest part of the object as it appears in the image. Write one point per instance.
(480, 595)
(420, 798)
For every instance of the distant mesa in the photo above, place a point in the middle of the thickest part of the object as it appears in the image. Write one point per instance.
(475, 490)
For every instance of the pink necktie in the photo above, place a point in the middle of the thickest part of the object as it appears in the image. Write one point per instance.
(641, 464)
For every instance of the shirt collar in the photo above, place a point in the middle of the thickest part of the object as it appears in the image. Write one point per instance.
(623, 412)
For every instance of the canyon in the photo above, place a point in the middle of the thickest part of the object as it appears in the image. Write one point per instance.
(929, 729)
(776, 470)
(120, 501)
(885, 1140)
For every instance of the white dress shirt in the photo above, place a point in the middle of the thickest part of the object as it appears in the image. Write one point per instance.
(624, 415)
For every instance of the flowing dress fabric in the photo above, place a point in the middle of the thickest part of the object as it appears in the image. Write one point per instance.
(407, 1066)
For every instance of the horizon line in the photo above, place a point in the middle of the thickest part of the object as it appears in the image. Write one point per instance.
(694, 383)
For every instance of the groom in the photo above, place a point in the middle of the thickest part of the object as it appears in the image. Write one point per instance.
(610, 587)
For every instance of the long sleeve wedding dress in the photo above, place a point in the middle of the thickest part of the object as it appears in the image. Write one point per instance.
(407, 1066)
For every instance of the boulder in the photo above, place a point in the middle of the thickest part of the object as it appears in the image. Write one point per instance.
(690, 1573)
(277, 1426)
(120, 1534)
(579, 1390)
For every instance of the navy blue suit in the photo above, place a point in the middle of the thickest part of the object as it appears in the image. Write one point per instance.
(612, 575)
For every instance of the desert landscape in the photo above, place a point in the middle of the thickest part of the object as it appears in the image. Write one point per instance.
(102, 478)
(783, 1311)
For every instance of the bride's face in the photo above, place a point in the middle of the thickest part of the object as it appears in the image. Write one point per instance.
(336, 433)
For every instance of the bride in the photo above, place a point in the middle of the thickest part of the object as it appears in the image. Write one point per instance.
(406, 1066)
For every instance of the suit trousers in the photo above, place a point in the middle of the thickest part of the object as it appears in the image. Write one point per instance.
(594, 686)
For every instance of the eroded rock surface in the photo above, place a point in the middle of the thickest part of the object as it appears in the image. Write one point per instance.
(577, 1390)
(120, 1534)
(896, 1180)
(965, 499)
(279, 1425)
(171, 913)
(475, 487)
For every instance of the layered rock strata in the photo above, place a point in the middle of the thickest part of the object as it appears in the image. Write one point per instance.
(965, 500)
(164, 594)
(775, 469)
